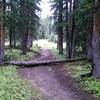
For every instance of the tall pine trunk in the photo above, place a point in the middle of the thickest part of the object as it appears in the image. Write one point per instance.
(73, 33)
(68, 51)
(2, 30)
(10, 36)
(89, 43)
(29, 39)
(60, 28)
(24, 14)
(96, 41)
(14, 39)
(24, 42)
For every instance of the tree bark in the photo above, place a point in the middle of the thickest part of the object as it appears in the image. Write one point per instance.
(30, 36)
(2, 32)
(60, 28)
(70, 29)
(73, 33)
(89, 44)
(29, 41)
(25, 23)
(68, 54)
(10, 36)
(31, 64)
(14, 40)
(24, 42)
(96, 41)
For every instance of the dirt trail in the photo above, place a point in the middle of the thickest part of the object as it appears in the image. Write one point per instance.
(52, 81)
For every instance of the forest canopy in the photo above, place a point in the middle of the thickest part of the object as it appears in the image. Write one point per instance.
(75, 22)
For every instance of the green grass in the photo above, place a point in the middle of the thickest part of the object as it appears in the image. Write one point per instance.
(15, 54)
(76, 69)
(90, 84)
(35, 47)
(56, 54)
(12, 87)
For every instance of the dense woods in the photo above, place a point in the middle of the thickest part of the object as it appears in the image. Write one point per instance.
(54, 57)
(77, 22)
(21, 20)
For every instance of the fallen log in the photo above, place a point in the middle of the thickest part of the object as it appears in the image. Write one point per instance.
(38, 63)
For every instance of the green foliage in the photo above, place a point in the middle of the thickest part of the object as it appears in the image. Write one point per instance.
(83, 20)
(46, 29)
(90, 84)
(78, 68)
(20, 15)
(12, 87)
(57, 8)
(35, 47)
(15, 54)
(56, 54)
(52, 37)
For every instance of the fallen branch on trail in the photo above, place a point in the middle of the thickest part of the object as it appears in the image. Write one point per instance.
(38, 63)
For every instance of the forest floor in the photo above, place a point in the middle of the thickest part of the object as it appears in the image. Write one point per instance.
(52, 80)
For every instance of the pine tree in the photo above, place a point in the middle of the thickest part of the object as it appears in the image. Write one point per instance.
(57, 6)
(2, 32)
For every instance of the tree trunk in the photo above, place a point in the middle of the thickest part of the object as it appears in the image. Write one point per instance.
(29, 40)
(14, 40)
(90, 35)
(32, 64)
(73, 33)
(10, 36)
(96, 41)
(2, 32)
(60, 28)
(24, 42)
(25, 23)
(68, 54)
(89, 44)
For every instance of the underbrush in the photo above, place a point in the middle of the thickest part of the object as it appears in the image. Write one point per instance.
(76, 69)
(56, 54)
(12, 87)
(15, 54)
(35, 48)
(90, 84)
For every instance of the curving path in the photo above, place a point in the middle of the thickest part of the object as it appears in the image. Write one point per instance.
(52, 80)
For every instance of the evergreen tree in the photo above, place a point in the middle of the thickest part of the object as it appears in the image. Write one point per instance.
(2, 28)
(57, 6)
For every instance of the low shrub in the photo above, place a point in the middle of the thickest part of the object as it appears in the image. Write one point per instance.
(36, 48)
(56, 54)
(15, 54)
(90, 84)
(12, 87)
